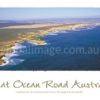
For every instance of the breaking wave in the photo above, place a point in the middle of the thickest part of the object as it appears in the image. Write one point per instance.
(10, 58)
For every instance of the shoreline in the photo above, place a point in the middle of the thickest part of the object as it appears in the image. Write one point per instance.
(31, 37)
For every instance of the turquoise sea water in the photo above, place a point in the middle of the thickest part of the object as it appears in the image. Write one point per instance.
(68, 50)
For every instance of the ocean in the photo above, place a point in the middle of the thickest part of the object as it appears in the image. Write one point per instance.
(67, 50)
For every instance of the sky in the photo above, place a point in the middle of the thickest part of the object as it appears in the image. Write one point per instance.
(42, 13)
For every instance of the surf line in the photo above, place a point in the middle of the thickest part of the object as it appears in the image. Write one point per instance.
(7, 58)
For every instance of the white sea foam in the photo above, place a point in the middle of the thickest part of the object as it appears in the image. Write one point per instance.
(89, 28)
(9, 58)
(18, 46)
(58, 32)
(52, 34)
(64, 31)
(44, 43)
(39, 44)
(10, 61)
(85, 28)
(11, 55)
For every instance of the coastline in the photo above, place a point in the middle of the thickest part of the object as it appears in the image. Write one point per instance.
(31, 37)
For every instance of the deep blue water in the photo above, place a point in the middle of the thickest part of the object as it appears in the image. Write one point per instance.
(70, 60)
